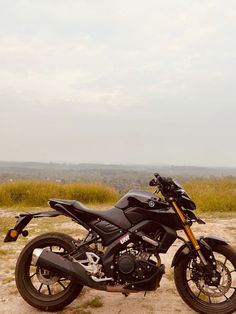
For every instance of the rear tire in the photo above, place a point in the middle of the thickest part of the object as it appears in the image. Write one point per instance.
(209, 299)
(44, 289)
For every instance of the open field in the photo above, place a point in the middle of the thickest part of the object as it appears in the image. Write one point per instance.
(120, 177)
(163, 300)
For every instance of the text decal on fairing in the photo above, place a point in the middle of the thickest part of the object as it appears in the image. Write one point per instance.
(124, 239)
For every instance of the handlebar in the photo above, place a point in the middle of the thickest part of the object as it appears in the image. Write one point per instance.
(158, 180)
(163, 183)
(170, 189)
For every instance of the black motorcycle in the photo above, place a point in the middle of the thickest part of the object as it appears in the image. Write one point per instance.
(121, 252)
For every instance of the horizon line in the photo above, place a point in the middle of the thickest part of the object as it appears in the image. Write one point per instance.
(114, 164)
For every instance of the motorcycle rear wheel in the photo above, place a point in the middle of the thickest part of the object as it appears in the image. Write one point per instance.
(41, 288)
(202, 297)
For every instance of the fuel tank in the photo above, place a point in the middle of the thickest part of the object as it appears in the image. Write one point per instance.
(143, 199)
(141, 205)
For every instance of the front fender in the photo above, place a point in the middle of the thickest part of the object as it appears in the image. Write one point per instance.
(182, 251)
(187, 248)
(211, 240)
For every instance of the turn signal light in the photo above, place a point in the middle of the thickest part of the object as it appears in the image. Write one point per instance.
(13, 233)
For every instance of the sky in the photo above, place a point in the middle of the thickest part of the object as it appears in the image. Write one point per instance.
(118, 82)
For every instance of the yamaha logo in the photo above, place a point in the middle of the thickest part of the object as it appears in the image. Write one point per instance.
(151, 204)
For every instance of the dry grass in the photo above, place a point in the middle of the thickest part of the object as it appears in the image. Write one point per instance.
(94, 303)
(37, 193)
(209, 194)
(213, 194)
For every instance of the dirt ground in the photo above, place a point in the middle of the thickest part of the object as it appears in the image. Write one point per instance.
(164, 300)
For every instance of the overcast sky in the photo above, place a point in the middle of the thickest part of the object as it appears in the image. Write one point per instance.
(141, 82)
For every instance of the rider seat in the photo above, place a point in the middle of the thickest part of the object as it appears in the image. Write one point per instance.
(114, 215)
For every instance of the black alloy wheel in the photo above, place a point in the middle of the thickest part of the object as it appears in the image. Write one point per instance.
(196, 290)
(42, 288)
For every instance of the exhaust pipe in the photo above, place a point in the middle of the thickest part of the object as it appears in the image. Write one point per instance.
(55, 262)
(121, 289)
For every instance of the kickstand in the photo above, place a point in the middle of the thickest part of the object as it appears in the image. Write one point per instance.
(125, 294)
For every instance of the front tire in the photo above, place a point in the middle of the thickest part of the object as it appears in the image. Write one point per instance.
(204, 298)
(39, 287)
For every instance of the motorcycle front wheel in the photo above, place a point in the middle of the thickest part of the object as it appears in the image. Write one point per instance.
(41, 288)
(200, 296)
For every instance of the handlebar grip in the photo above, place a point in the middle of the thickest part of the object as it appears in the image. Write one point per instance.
(164, 183)
(152, 182)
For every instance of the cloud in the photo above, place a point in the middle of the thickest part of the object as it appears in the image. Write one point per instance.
(130, 71)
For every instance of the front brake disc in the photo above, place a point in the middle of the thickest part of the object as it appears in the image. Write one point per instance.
(222, 288)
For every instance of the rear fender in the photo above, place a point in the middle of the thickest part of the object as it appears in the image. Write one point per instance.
(186, 248)
(22, 222)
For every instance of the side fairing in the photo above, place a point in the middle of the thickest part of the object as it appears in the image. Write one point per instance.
(165, 216)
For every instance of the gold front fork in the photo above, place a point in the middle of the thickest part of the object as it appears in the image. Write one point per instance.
(187, 228)
(189, 232)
